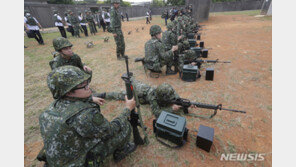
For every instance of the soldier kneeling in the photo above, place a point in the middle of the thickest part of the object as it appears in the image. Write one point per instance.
(73, 128)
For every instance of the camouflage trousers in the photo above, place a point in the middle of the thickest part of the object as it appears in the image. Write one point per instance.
(156, 66)
(76, 28)
(92, 27)
(119, 40)
(118, 141)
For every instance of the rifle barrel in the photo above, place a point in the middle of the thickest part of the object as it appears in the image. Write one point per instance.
(233, 110)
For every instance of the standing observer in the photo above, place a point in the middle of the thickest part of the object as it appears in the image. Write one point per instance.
(58, 22)
(115, 29)
(32, 27)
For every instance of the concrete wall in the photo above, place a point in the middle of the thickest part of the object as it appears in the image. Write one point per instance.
(44, 12)
(200, 8)
(269, 12)
(265, 6)
(235, 6)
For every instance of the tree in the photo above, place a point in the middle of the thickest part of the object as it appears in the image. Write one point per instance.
(176, 2)
(158, 3)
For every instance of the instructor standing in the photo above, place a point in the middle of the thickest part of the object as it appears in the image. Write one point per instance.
(58, 22)
(115, 29)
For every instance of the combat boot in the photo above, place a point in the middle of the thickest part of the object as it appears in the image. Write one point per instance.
(170, 71)
(120, 154)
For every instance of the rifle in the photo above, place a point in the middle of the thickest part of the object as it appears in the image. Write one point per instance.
(200, 61)
(135, 118)
(185, 103)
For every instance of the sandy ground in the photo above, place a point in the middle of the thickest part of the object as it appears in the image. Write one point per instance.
(244, 84)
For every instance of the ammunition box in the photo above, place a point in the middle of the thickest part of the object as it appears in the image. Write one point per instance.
(192, 42)
(190, 35)
(205, 137)
(204, 53)
(210, 74)
(197, 51)
(190, 73)
(171, 127)
(202, 44)
(198, 36)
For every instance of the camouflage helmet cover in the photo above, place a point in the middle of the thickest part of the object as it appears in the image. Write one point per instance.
(63, 79)
(165, 93)
(190, 55)
(154, 30)
(115, 1)
(170, 26)
(60, 43)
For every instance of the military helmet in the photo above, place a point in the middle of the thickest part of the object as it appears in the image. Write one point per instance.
(154, 30)
(170, 26)
(60, 43)
(165, 93)
(63, 79)
(115, 1)
(190, 55)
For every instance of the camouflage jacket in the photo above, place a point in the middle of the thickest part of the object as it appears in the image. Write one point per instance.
(146, 95)
(115, 19)
(58, 61)
(155, 52)
(73, 19)
(169, 39)
(70, 128)
(89, 18)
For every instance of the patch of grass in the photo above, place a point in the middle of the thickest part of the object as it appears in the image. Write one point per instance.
(186, 162)
(246, 12)
(231, 147)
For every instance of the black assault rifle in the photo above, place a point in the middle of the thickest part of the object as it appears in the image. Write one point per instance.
(185, 103)
(135, 118)
(200, 61)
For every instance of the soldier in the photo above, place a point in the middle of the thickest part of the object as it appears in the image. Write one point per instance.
(91, 22)
(75, 23)
(70, 27)
(157, 97)
(74, 131)
(58, 21)
(66, 56)
(115, 29)
(165, 15)
(83, 22)
(32, 26)
(155, 55)
(147, 18)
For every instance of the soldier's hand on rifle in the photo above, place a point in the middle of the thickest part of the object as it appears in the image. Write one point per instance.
(98, 100)
(85, 68)
(130, 104)
(193, 106)
(176, 107)
(193, 63)
(180, 37)
(175, 48)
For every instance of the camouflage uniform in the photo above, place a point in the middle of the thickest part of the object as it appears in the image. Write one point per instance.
(115, 28)
(73, 129)
(91, 23)
(74, 21)
(156, 55)
(59, 60)
(150, 95)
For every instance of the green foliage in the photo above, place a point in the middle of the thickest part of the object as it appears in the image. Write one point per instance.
(176, 2)
(60, 2)
(122, 3)
(158, 3)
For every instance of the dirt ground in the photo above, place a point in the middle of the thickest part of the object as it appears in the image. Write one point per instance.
(244, 84)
